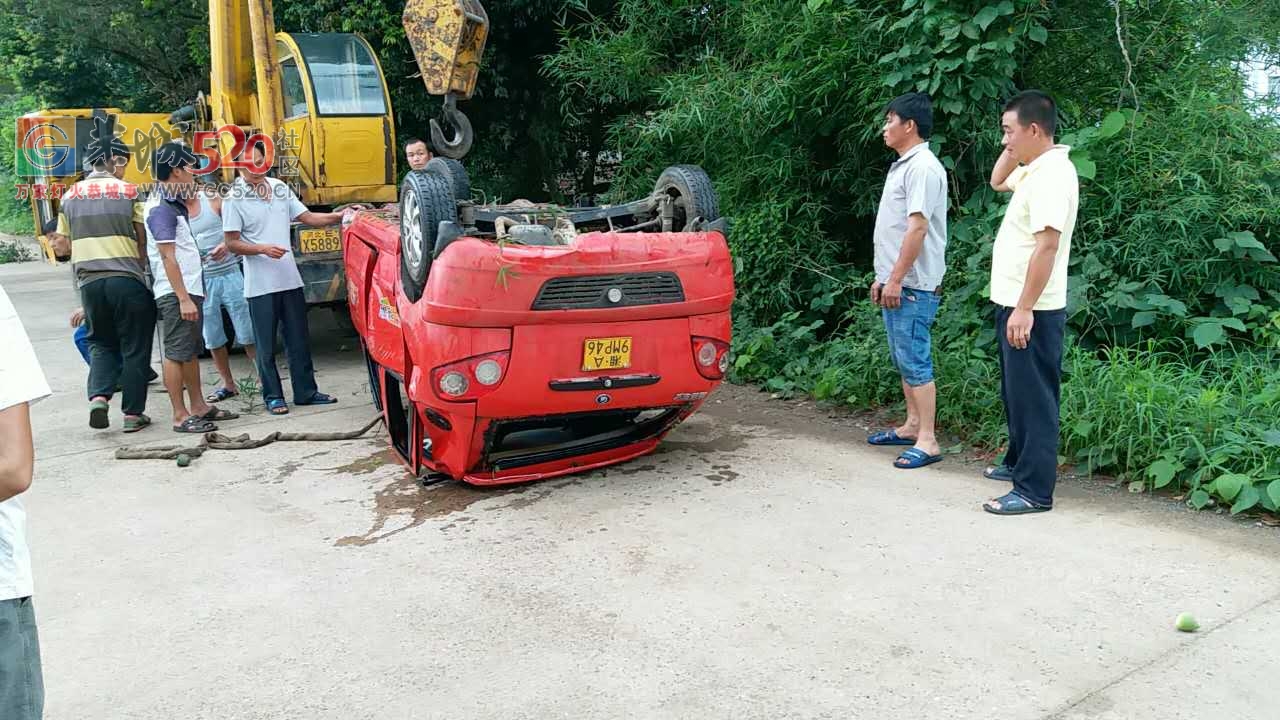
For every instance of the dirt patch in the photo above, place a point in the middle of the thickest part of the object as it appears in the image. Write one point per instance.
(747, 406)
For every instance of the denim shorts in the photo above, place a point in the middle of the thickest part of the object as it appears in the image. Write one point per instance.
(908, 329)
(21, 678)
(226, 291)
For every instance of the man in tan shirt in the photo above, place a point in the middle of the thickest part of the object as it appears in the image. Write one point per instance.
(1029, 289)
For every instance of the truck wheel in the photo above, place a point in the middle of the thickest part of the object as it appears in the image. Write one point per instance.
(426, 200)
(691, 189)
(456, 173)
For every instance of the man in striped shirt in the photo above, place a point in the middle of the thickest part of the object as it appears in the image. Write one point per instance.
(102, 216)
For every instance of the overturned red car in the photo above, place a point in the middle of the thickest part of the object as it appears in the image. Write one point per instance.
(509, 343)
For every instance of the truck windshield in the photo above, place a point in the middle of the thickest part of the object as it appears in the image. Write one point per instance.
(344, 76)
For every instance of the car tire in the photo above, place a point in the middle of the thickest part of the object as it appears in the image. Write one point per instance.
(426, 200)
(456, 173)
(691, 188)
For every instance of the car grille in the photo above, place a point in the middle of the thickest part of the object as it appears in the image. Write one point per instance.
(593, 291)
(521, 442)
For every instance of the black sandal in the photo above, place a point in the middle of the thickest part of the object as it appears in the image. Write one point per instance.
(1002, 472)
(195, 425)
(317, 399)
(217, 413)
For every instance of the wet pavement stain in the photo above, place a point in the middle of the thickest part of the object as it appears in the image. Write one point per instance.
(726, 441)
(367, 464)
(406, 496)
(722, 475)
(288, 469)
(637, 469)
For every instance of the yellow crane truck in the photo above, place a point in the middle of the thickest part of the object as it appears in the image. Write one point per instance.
(321, 98)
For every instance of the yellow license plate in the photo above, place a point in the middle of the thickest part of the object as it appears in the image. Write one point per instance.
(319, 240)
(610, 353)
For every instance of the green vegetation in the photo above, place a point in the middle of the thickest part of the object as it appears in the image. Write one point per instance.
(1172, 379)
(15, 215)
(1172, 376)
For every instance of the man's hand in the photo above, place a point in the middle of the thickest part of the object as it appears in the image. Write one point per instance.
(891, 295)
(875, 291)
(1004, 167)
(1018, 329)
(220, 252)
(77, 317)
(188, 309)
(275, 252)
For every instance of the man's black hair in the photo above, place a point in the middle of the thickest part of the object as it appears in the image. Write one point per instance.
(50, 227)
(415, 141)
(917, 107)
(169, 157)
(1036, 107)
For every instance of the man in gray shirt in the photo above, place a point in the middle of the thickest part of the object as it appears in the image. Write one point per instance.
(910, 260)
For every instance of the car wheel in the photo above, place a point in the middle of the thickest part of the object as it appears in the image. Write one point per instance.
(691, 189)
(426, 200)
(456, 173)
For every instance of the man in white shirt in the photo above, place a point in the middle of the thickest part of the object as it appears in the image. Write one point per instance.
(179, 288)
(1029, 288)
(910, 260)
(255, 219)
(21, 384)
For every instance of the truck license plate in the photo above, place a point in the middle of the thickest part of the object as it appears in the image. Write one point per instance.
(606, 353)
(319, 240)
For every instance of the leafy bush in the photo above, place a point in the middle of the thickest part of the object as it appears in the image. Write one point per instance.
(1174, 289)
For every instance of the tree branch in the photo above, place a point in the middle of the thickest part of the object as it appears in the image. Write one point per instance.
(1128, 63)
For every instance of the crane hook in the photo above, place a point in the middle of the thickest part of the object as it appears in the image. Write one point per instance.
(461, 126)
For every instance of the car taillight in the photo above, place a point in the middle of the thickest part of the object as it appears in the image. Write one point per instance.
(472, 378)
(711, 357)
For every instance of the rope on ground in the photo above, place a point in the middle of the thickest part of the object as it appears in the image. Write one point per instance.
(218, 441)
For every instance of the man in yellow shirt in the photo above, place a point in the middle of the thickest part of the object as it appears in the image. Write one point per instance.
(1029, 289)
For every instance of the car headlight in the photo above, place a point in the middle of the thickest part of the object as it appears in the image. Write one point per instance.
(488, 372)
(453, 383)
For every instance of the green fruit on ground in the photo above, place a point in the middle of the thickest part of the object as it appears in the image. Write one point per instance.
(1187, 623)
(184, 460)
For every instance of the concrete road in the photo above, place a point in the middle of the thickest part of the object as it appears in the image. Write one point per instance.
(765, 563)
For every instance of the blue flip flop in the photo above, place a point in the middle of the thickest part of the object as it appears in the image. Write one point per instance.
(889, 437)
(916, 458)
(1013, 504)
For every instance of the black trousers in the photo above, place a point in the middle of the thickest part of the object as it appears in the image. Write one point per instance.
(286, 310)
(1030, 382)
(121, 316)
